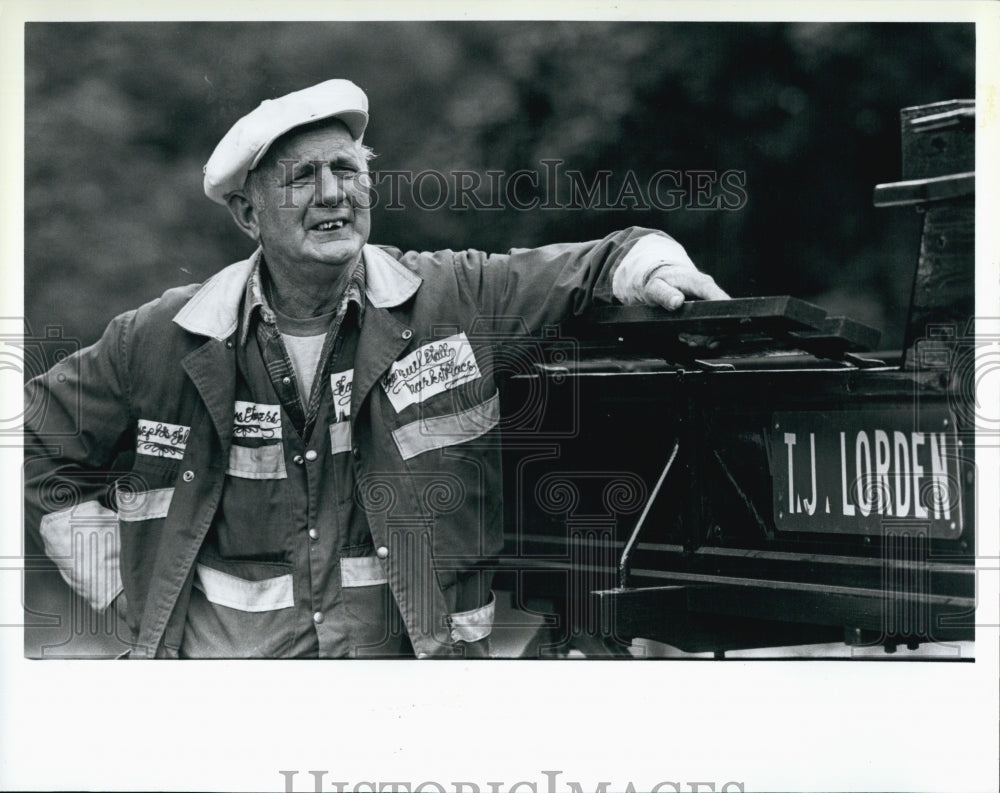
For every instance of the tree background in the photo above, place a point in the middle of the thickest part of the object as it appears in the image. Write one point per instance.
(120, 118)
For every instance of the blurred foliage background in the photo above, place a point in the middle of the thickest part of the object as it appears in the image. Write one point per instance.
(120, 119)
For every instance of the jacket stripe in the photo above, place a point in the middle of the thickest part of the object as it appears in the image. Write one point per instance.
(144, 505)
(238, 593)
(83, 542)
(471, 626)
(264, 462)
(424, 435)
(361, 571)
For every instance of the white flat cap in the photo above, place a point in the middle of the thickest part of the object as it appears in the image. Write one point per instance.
(248, 139)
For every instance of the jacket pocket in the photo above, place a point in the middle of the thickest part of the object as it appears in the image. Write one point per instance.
(261, 462)
(374, 628)
(340, 437)
(361, 571)
(246, 615)
(143, 504)
(241, 594)
(428, 434)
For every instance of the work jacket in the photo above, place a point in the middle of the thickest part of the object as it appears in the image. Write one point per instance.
(423, 432)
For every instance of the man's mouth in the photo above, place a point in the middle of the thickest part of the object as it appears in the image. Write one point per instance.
(330, 225)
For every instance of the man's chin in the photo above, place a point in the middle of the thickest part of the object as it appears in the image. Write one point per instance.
(339, 252)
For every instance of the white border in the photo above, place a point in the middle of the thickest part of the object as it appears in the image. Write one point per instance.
(774, 726)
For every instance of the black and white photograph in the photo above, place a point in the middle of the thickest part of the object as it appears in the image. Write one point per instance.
(569, 380)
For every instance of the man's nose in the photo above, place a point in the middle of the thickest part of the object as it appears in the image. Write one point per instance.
(332, 188)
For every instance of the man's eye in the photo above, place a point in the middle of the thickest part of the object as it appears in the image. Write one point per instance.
(340, 174)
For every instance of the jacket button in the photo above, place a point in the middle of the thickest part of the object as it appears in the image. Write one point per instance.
(311, 455)
(313, 534)
(407, 334)
(286, 380)
(318, 617)
(356, 451)
(298, 459)
(381, 552)
(229, 344)
(187, 476)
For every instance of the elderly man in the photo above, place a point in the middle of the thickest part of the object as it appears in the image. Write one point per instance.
(293, 417)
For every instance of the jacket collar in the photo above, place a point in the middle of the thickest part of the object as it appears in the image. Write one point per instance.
(389, 284)
(214, 309)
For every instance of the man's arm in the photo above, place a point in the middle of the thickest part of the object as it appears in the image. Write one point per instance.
(532, 288)
(77, 414)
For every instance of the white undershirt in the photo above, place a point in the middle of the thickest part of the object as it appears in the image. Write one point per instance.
(303, 352)
(303, 339)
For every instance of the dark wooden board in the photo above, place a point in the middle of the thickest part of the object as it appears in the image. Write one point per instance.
(731, 326)
(708, 317)
(922, 191)
(938, 139)
(841, 334)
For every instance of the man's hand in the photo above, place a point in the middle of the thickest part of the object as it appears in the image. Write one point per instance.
(669, 284)
(658, 272)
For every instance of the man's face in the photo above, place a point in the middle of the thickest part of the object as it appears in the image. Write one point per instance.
(311, 199)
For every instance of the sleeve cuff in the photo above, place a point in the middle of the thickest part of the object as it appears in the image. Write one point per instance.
(472, 626)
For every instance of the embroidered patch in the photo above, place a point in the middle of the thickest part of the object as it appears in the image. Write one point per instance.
(430, 370)
(159, 439)
(340, 393)
(252, 420)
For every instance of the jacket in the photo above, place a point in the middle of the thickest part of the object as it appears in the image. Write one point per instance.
(424, 432)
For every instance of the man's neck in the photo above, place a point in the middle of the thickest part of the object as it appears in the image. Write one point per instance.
(304, 297)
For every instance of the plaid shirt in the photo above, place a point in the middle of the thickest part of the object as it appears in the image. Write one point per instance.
(279, 367)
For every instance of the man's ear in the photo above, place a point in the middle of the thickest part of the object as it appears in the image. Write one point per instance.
(244, 213)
